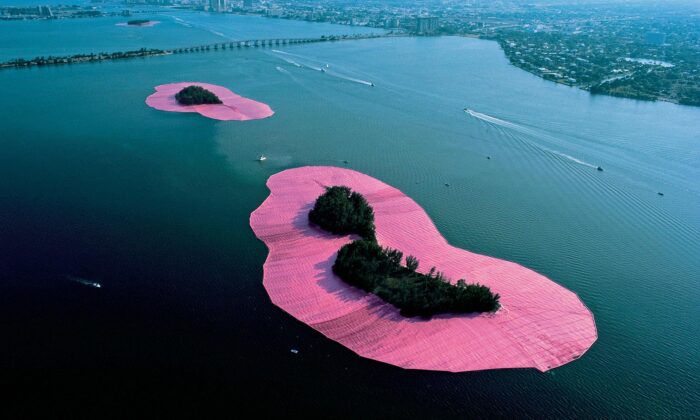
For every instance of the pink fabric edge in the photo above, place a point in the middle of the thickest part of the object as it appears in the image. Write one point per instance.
(541, 324)
(234, 107)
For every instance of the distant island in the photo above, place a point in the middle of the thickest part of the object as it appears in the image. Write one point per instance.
(81, 58)
(141, 23)
(217, 102)
(365, 264)
(138, 22)
(196, 95)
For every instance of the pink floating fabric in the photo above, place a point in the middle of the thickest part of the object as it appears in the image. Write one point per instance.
(541, 324)
(234, 107)
(140, 25)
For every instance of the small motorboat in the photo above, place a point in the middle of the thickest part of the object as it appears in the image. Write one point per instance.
(660, 193)
(294, 351)
(262, 158)
(323, 70)
(371, 84)
(600, 169)
(85, 282)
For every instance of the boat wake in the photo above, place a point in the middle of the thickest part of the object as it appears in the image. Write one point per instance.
(292, 62)
(84, 282)
(317, 65)
(528, 131)
(288, 53)
(181, 22)
(189, 24)
(350, 79)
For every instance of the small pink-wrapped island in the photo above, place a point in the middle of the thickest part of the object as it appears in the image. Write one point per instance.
(234, 107)
(540, 324)
(145, 24)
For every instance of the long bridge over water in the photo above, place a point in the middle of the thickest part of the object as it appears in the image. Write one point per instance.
(270, 42)
(230, 45)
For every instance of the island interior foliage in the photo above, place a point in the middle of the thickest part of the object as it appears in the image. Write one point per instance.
(365, 264)
(196, 95)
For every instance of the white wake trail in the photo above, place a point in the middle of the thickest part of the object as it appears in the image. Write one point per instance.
(324, 67)
(351, 79)
(529, 132)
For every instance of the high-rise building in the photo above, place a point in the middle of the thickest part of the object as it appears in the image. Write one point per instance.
(426, 25)
(392, 23)
(45, 11)
(218, 5)
(247, 4)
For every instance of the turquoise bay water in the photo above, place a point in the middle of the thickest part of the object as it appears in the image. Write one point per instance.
(155, 207)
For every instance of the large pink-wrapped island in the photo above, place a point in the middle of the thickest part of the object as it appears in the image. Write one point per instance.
(540, 324)
(234, 107)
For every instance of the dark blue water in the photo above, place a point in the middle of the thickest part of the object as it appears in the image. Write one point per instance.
(154, 206)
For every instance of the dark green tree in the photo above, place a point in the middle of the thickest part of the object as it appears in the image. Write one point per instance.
(196, 95)
(342, 211)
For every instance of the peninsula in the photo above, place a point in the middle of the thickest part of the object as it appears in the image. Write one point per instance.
(539, 324)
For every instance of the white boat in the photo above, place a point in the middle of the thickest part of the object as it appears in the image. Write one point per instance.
(262, 158)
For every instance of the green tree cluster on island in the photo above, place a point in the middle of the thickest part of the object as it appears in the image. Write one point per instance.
(342, 211)
(365, 264)
(196, 95)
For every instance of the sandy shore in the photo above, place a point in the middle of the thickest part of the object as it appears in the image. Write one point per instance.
(234, 107)
(540, 325)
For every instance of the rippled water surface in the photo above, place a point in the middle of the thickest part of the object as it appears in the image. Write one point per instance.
(154, 206)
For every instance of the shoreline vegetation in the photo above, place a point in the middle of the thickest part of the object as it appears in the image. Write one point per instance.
(154, 52)
(81, 58)
(196, 95)
(365, 264)
(645, 80)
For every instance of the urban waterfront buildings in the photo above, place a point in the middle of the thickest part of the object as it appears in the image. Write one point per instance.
(426, 24)
(218, 6)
